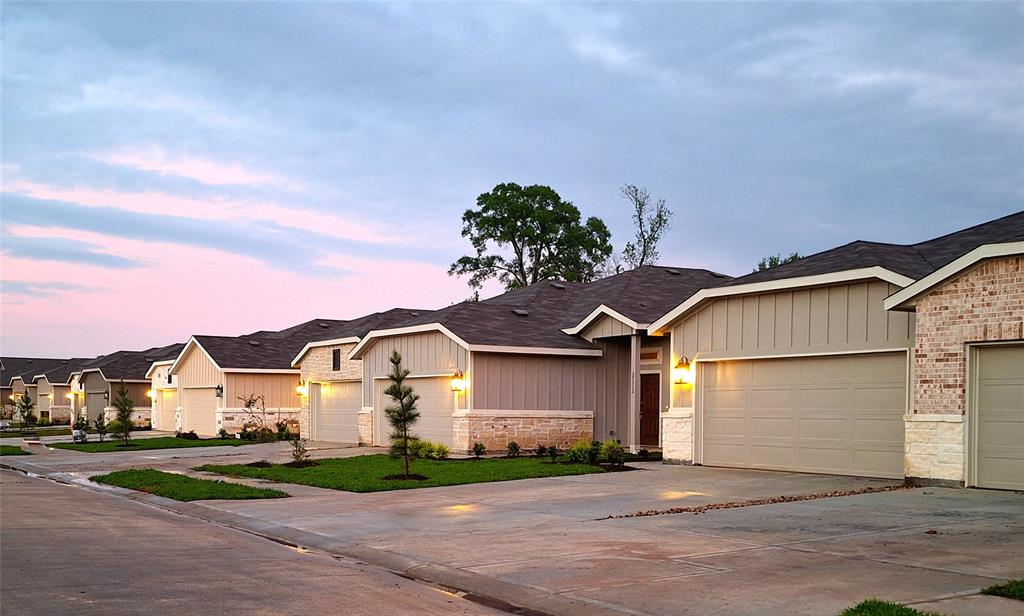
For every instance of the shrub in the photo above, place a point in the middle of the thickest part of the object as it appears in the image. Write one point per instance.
(643, 454)
(300, 455)
(438, 451)
(44, 421)
(479, 449)
(512, 449)
(188, 436)
(81, 423)
(222, 433)
(541, 451)
(553, 452)
(100, 424)
(578, 453)
(612, 451)
(115, 428)
(283, 432)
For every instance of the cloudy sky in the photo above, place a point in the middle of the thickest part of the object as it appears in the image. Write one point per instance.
(171, 169)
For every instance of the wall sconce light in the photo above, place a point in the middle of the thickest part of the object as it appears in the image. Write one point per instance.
(12, 397)
(458, 381)
(69, 396)
(683, 372)
(302, 389)
(219, 391)
(106, 395)
(151, 394)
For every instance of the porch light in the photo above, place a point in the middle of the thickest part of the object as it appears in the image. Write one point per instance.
(69, 396)
(683, 372)
(302, 389)
(151, 394)
(219, 391)
(458, 381)
(106, 395)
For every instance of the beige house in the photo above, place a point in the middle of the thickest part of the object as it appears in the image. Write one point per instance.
(53, 389)
(17, 377)
(549, 364)
(163, 392)
(95, 383)
(869, 359)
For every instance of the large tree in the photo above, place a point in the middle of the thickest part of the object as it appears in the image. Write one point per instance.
(651, 218)
(522, 235)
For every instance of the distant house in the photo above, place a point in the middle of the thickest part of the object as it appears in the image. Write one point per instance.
(53, 388)
(96, 381)
(17, 374)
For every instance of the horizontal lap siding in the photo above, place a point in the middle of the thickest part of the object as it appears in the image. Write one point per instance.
(505, 381)
(422, 353)
(821, 320)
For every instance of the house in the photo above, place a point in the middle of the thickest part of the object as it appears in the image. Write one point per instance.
(547, 364)
(55, 401)
(16, 377)
(96, 382)
(164, 395)
(213, 375)
(868, 359)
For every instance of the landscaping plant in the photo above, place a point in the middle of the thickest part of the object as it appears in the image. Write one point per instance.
(479, 449)
(124, 407)
(584, 452)
(402, 415)
(613, 452)
(25, 407)
(512, 449)
(101, 426)
(300, 455)
(553, 452)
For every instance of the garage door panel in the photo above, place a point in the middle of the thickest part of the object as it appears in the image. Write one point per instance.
(837, 414)
(199, 408)
(335, 411)
(435, 405)
(1000, 417)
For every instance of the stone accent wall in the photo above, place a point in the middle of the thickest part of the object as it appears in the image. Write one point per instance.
(366, 427)
(233, 420)
(140, 416)
(529, 430)
(60, 413)
(677, 436)
(317, 365)
(984, 304)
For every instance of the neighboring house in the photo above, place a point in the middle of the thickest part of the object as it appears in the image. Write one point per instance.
(868, 359)
(16, 377)
(55, 401)
(213, 375)
(96, 381)
(164, 394)
(548, 364)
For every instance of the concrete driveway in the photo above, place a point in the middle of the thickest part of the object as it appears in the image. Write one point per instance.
(548, 544)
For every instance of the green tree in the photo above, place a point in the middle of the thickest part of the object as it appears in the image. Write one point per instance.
(651, 218)
(25, 406)
(522, 235)
(775, 261)
(125, 407)
(101, 425)
(402, 414)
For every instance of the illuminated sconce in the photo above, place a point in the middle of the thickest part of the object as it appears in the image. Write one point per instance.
(69, 396)
(219, 391)
(151, 394)
(12, 397)
(683, 372)
(458, 381)
(302, 389)
(106, 395)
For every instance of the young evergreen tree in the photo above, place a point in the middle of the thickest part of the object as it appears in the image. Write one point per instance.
(125, 407)
(25, 406)
(101, 425)
(402, 414)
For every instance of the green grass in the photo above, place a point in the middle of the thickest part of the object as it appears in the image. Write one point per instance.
(141, 444)
(182, 488)
(876, 607)
(1013, 589)
(366, 473)
(12, 450)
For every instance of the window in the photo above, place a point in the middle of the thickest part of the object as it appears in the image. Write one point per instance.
(650, 356)
(336, 359)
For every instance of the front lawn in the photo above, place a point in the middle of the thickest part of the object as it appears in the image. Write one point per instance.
(12, 450)
(875, 607)
(1013, 589)
(181, 487)
(366, 473)
(160, 442)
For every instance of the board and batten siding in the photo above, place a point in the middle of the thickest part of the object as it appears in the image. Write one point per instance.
(278, 390)
(838, 318)
(519, 382)
(422, 354)
(196, 369)
(611, 408)
(606, 327)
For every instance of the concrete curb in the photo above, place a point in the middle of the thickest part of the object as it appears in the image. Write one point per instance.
(480, 588)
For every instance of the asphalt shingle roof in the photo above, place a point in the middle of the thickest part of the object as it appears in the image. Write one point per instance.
(130, 365)
(26, 368)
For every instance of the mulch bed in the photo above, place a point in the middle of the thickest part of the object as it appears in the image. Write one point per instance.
(760, 501)
(303, 464)
(412, 477)
(260, 464)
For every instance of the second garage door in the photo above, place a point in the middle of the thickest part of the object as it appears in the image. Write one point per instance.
(199, 410)
(999, 406)
(435, 405)
(335, 411)
(837, 415)
(166, 410)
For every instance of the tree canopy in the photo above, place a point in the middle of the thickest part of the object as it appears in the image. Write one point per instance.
(651, 218)
(775, 261)
(522, 235)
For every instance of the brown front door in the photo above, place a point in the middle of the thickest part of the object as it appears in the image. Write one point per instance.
(650, 415)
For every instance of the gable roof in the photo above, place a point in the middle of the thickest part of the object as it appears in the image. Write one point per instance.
(25, 368)
(61, 374)
(129, 365)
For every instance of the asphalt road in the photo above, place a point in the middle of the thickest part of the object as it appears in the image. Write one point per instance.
(66, 550)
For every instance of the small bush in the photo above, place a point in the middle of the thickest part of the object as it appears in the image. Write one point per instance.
(100, 424)
(643, 454)
(300, 455)
(479, 449)
(45, 421)
(553, 452)
(541, 451)
(512, 449)
(115, 427)
(612, 451)
(188, 436)
(438, 451)
(283, 431)
(584, 452)
(81, 423)
(222, 433)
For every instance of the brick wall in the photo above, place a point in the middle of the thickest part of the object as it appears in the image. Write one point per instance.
(496, 431)
(317, 365)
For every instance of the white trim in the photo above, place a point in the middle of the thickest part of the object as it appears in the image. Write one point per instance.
(934, 417)
(365, 410)
(601, 310)
(261, 371)
(114, 380)
(322, 343)
(191, 341)
(356, 352)
(152, 366)
(679, 412)
(777, 285)
(905, 298)
(522, 413)
(708, 358)
(489, 348)
(421, 375)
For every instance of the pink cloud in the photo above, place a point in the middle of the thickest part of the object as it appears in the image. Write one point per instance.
(156, 160)
(187, 290)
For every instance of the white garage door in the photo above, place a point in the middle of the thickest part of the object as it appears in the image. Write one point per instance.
(1000, 417)
(435, 405)
(198, 408)
(335, 411)
(166, 409)
(839, 415)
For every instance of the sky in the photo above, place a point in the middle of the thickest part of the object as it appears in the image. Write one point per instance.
(219, 168)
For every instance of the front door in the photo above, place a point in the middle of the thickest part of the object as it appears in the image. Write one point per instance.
(650, 413)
